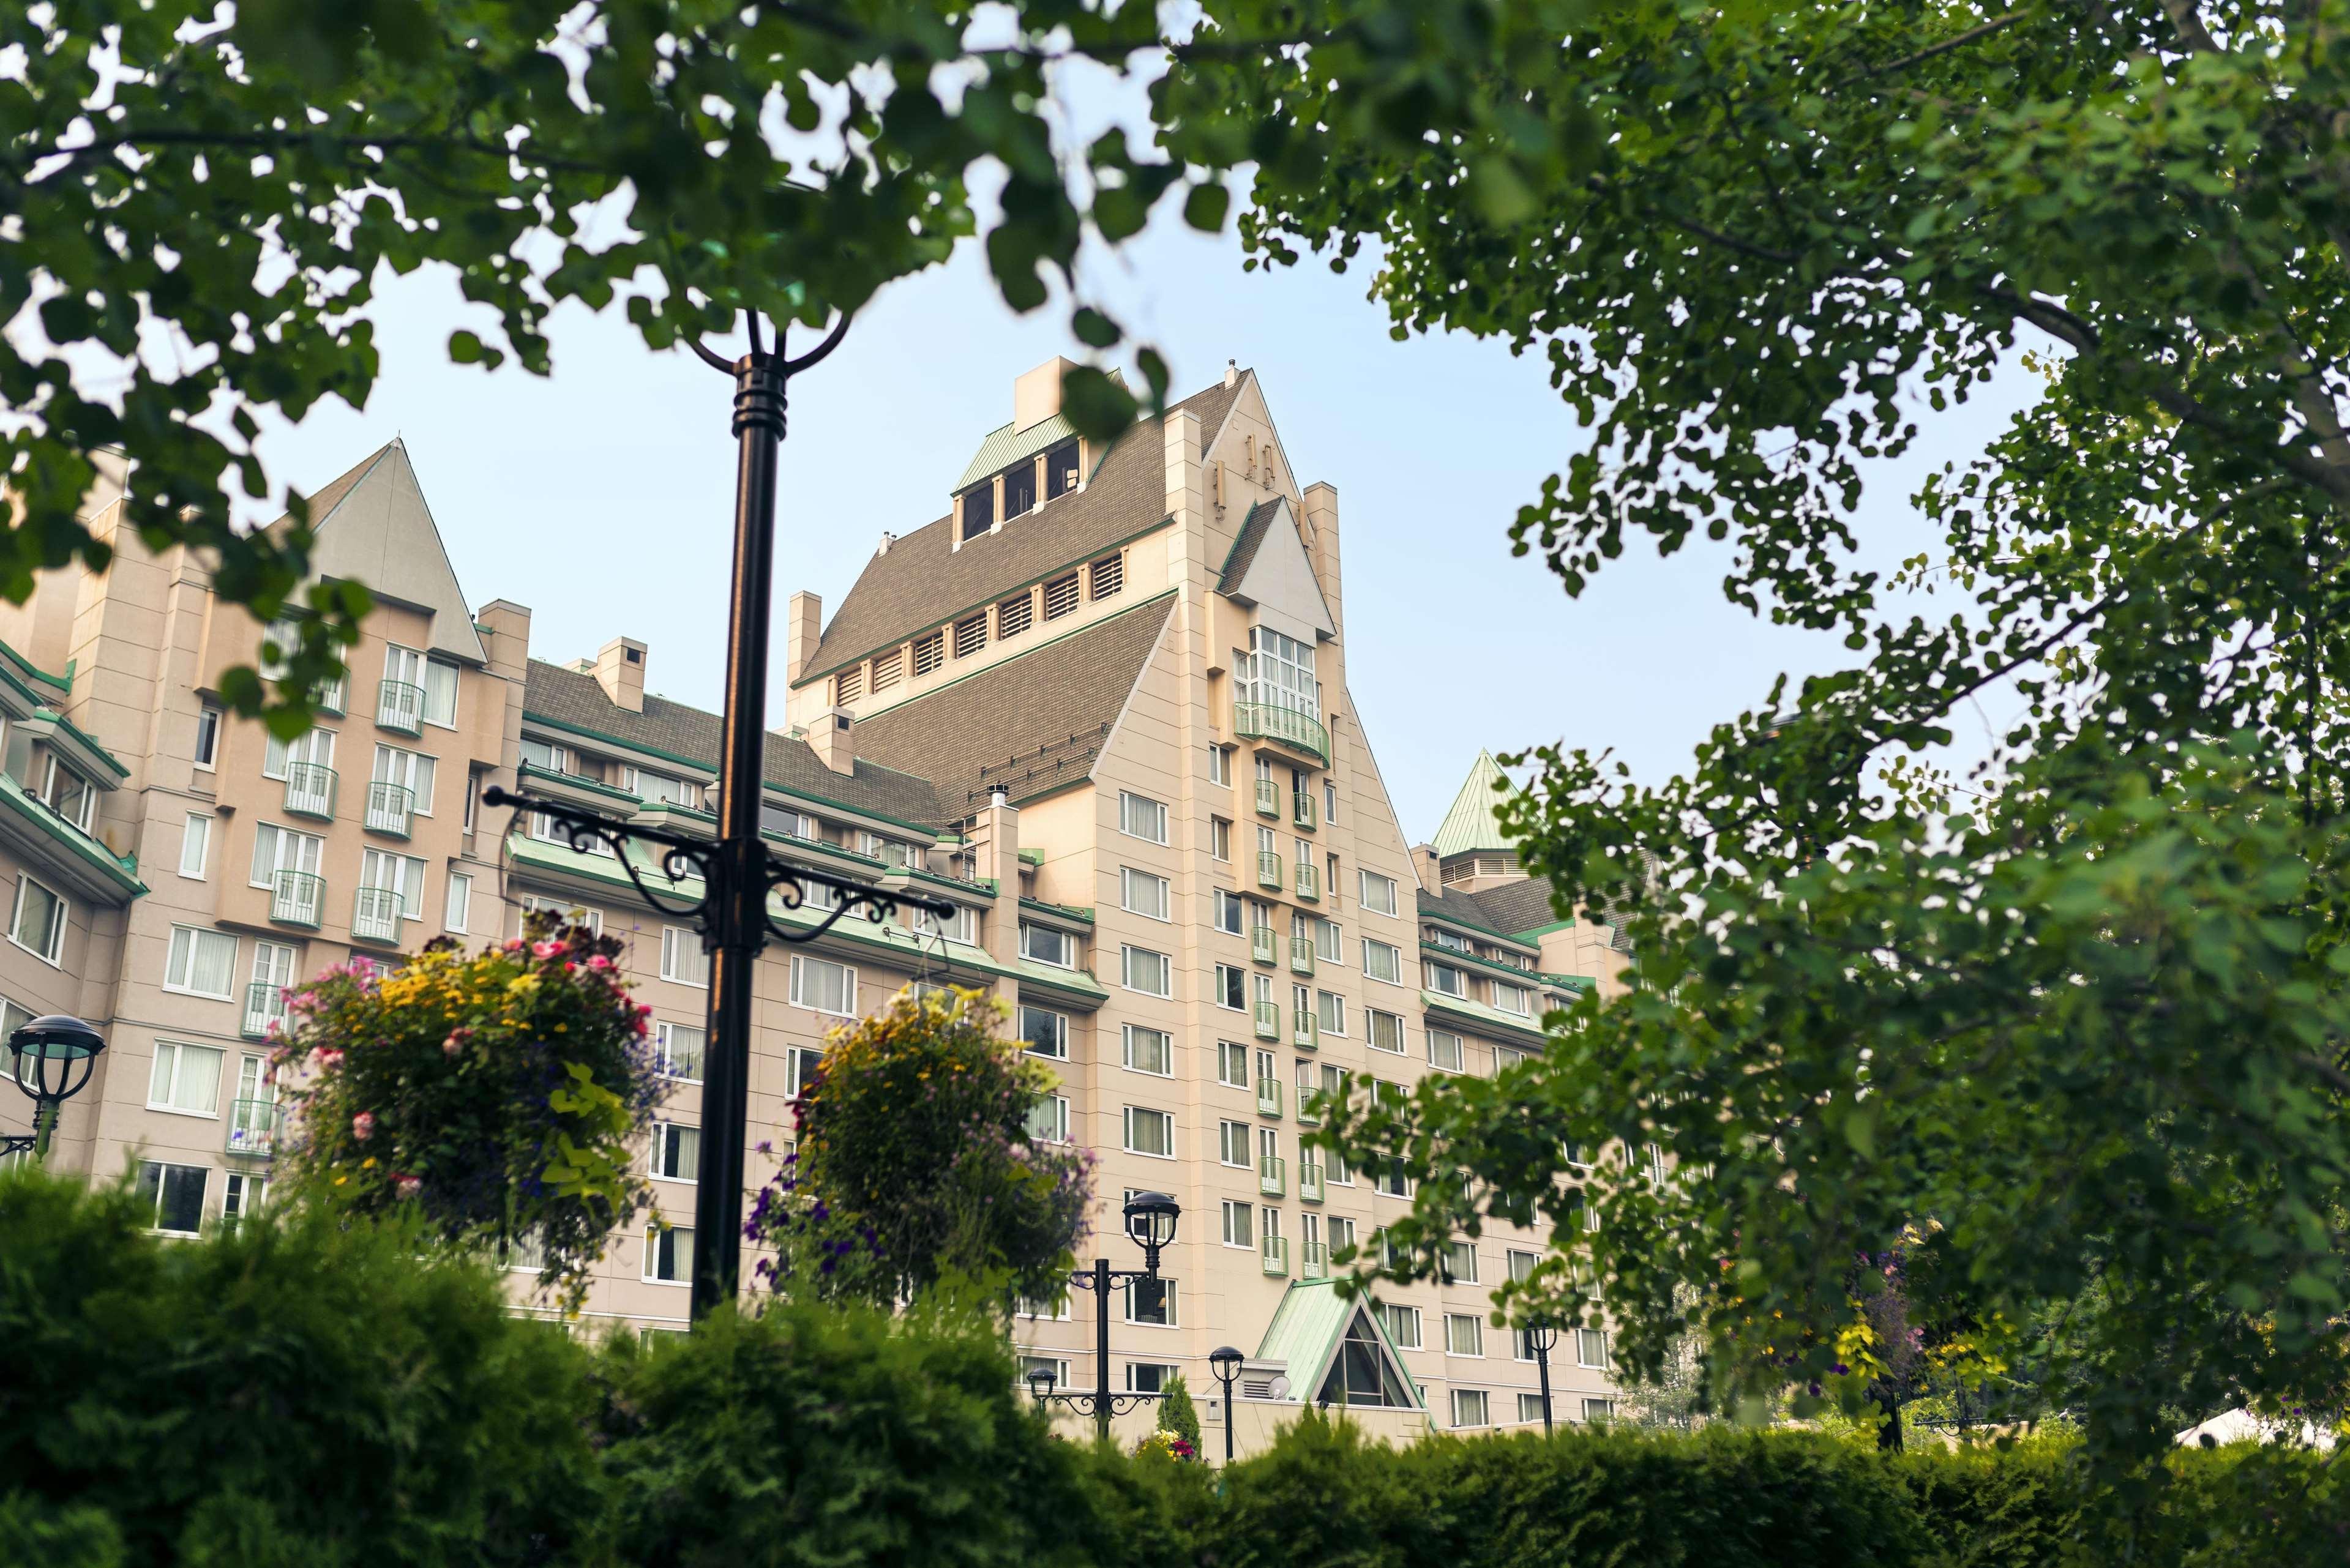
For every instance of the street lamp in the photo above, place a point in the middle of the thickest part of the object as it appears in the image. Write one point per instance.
(1540, 1338)
(737, 874)
(1150, 1221)
(55, 1058)
(1226, 1363)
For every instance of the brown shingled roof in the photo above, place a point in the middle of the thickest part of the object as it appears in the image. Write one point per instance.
(1245, 544)
(1518, 906)
(924, 581)
(1031, 724)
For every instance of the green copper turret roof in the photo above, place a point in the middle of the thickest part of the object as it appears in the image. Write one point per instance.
(1470, 824)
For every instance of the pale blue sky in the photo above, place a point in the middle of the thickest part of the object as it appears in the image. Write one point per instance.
(601, 497)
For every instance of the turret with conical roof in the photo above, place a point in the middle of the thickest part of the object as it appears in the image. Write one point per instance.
(1471, 851)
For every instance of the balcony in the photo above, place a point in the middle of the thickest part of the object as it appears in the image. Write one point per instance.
(1272, 1175)
(309, 790)
(400, 706)
(1268, 869)
(390, 808)
(1313, 1261)
(1276, 1254)
(1307, 1034)
(1264, 946)
(1268, 798)
(375, 916)
(1264, 721)
(1268, 1021)
(1301, 805)
(1309, 882)
(264, 1009)
(1309, 1108)
(1301, 955)
(1268, 1096)
(253, 1127)
(296, 899)
(1309, 1181)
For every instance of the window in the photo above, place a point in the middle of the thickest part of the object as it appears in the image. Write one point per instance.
(978, 510)
(185, 1079)
(1383, 961)
(1342, 1237)
(1048, 1120)
(889, 669)
(1047, 1033)
(1515, 999)
(1060, 597)
(652, 786)
(1048, 946)
(1060, 471)
(677, 1050)
(177, 1195)
(1013, 616)
(1403, 1326)
(1146, 971)
(441, 693)
(1151, 1302)
(1522, 1265)
(669, 1256)
(677, 1152)
(929, 652)
(1140, 816)
(1329, 800)
(201, 963)
(273, 966)
(208, 729)
(1388, 1180)
(565, 914)
(400, 874)
(1599, 1410)
(1141, 893)
(1054, 1367)
(1231, 988)
(1468, 1408)
(245, 1195)
(1150, 1132)
(195, 837)
(970, 635)
(1464, 1334)
(459, 904)
(1232, 1144)
(1232, 1064)
(683, 960)
(1229, 914)
(1149, 1051)
(70, 795)
(1149, 1377)
(1219, 839)
(472, 796)
(803, 1065)
(824, 986)
(546, 755)
(1385, 1030)
(1220, 764)
(1333, 1010)
(1280, 672)
(39, 924)
(848, 685)
(410, 771)
(1457, 1264)
(1444, 939)
(1329, 941)
(1446, 980)
(962, 926)
(1240, 1224)
(1444, 1051)
(1591, 1347)
(1108, 575)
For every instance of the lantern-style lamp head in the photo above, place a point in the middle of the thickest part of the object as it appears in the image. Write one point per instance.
(1541, 1337)
(1226, 1363)
(1040, 1384)
(1150, 1221)
(55, 1057)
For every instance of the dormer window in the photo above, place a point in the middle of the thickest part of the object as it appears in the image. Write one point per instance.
(1060, 471)
(978, 510)
(70, 794)
(1019, 490)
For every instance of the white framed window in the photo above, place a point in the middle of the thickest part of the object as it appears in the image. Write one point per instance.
(410, 771)
(1329, 800)
(1332, 1008)
(677, 1050)
(1468, 1408)
(400, 874)
(195, 843)
(1444, 1050)
(1464, 1334)
(822, 986)
(244, 1195)
(1403, 1325)
(1240, 1224)
(1149, 1051)
(1516, 999)
(1382, 961)
(1599, 1410)
(1053, 1366)
(1329, 941)
(1457, 1264)
(1141, 893)
(803, 1065)
(1231, 1063)
(1453, 939)
(316, 748)
(546, 755)
(441, 693)
(1591, 1348)
(1232, 987)
(676, 1152)
(1053, 1311)
(1140, 816)
(1232, 1145)
(565, 914)
(683, 962)
(1280, 672)
(652, 786)
(1220, 764)
(38, 925)
(1049, 1122)
(1220, 839)
(473, 796)
(1530, 1408)
(459, 905)
(185, 1079)
(1522, 1264)
(1150, 1302)
(208, 734)
(1232, 913)
(1048, 946)
(1046, 1032)
(1446, 980)
(1375, 892)
(1149, 1377)
(273, 965)
(962, 926)
(669, 1256)
(1150, 1132)
(1151, 973)
(177, 1195)
(1342, 1237)
(201, 963)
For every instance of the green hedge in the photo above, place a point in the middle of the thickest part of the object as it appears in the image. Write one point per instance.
(301, 1395)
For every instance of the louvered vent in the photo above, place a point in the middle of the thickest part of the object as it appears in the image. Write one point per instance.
(970, 635)
(1109, 575)
(1012, 617)
(848, 685)
(1256, 1387)
(889, 669)
(929, 652)
(1060, 597)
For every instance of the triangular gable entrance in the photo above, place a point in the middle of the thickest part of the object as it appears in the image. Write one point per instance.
(1336, 1350)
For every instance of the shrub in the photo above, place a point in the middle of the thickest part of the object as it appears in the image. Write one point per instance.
(1177, 1415)
(296, 1391)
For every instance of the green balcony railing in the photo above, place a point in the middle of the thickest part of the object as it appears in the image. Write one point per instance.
(253, 1127)
(1268, 1096)
(1309, 881)
(1268, 868)
(1262, 720)
(1301, 805)
(309, 790)
(1272, 1175)
(1268, 1021)
(400, 706)
(264, 1009)
(1306, 1035)
(1301, 954)
(1309, 1181)
(392, 809)
(1268, 798)
(375, 915)
(297, 898)
(1313, 1261)
(1309, 1107)
(1276, 1252)
(1264, 946)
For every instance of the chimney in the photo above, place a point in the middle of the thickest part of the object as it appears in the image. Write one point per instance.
(803, 623)
(1232, 372)
(831, 736)
(995, 841)
(1424, 867)
(888, 539)
(1321, 541)
(1036, 396)
(621, 671)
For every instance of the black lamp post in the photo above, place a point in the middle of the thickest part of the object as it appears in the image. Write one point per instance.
(1150, 1221)
(1226, 1363)
(1540, 1338)
(55, 1058)
(737, 872)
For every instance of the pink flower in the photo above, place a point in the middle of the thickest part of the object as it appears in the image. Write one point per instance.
(515, 946)
(407, 1185)
(329, 1059)
(547, 950)
(599, 962)
(363, 1125)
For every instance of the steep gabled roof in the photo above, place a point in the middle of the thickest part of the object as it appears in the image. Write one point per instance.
(1253, 528)
(924, 580)
(374, 527)
(1470, 825)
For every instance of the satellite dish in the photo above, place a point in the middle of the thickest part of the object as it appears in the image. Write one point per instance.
(1279, 1387)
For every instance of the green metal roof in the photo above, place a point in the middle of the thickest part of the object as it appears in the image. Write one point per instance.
(1470, 825)
(1006, 446)
(1305, 1330)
